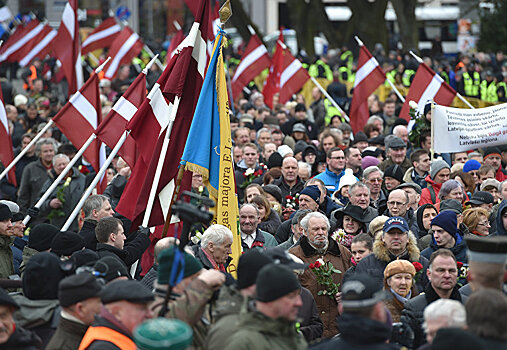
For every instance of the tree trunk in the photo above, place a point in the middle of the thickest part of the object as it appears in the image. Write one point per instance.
(240, 19)
(367, 22)
(405, 15)
(308, 18)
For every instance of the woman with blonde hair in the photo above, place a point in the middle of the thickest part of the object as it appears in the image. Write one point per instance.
(270, 221)
(476, 219)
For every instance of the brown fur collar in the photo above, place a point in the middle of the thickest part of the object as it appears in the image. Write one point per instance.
(381, 252)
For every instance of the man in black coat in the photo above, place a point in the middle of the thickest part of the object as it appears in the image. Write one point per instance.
(443, 275)
(289, 182)
(95, 208)
(111, 238)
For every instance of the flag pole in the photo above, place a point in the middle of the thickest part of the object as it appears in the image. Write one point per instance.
(400, 96)
(95, 181)
(49, 124)
(62, 175)
(419, 59)
(177, 186)
(333, 102)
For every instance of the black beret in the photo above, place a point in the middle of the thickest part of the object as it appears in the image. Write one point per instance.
(67, 242)
(76, 288)
(129, 290)
(111, 268)
(5, 212)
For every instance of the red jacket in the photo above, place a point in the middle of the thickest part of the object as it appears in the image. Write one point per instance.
(500, 176)
(426, 195)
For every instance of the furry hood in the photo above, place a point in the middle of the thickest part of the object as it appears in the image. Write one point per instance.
(380, 251)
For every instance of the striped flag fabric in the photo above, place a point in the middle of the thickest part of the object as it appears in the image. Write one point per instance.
(272, 85)
(113, 126)
(125, 47)
(78, 120)
(293, 76)
(67, 47)
(6, 151)
(39, 47)
(102, 36)
(182, 78)
(22, 36)
(427, 86)
(253, 62)
(369, 77)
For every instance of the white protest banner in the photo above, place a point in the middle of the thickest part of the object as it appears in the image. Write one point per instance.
(458, 130)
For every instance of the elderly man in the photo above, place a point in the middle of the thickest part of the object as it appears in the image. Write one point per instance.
(309, 198)
(12, 335)
(398, 205)
(126, 306)
(72, 185)
(272, 324)
(111, 238)
(289, 182)
(335, 166)
(150, 277)
(396, 152)
(35, 174)
(79, 297)
(420, 161)
(443, 313)
(359, 195)
(372, 177)
(395, 242)
(251, 235)
(413, 191)
(316, 244)
(95, 208)
(215, 247)
(443, 276)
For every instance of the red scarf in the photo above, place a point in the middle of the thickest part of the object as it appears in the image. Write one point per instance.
(216, 266)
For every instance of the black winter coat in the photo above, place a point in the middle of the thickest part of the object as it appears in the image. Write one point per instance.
(22, 339)
(131, 252)
(88, 234)
(311, 324)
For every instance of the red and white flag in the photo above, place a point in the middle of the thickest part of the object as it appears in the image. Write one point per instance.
(125, 47)
(114, 125)
(102, 36)
(182, 77)
(6, 152)
(293, 76)
(67, 47)
(272, 85)
(38, 47)
(253, 62)
(369, 76)
(22, 36)
(427, 86)
(175, 41)
(79, 118)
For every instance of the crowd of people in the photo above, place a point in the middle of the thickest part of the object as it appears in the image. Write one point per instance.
(349, 240)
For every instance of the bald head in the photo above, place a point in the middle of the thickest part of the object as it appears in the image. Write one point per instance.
(397, 203)
(290, 170)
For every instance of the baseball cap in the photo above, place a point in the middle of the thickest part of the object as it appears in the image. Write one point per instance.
(360, 291)
(396, 222)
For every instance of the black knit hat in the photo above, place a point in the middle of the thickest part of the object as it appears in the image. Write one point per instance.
(359, 137)
(67, 242)
(84, 257)
(42, 275)
(275, 281)
(273, 190)
(129, 290)
(275, 160)
(76, 288)
(395, 172)
(41, 236)
(249, 265)
(5, 212)
(6, 299)
(111, 268)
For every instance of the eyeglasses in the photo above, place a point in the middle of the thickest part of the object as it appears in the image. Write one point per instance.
(395, 203)
(375, 180)
(484, 224)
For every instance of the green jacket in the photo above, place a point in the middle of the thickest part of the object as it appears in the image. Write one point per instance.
(259, 332)
(6, 265)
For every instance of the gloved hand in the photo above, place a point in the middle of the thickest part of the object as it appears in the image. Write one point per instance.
(33, 212)
(144, 230)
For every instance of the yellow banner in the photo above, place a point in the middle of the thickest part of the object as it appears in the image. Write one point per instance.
(227, 204)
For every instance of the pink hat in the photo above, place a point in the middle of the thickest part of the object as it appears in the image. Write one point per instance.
(369, 161)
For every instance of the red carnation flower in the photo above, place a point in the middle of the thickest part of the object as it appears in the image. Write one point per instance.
(418, 266)
(317, 264)
(288, 197)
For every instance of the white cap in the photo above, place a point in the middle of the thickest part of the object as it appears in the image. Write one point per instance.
(348, 179)
(284, 150)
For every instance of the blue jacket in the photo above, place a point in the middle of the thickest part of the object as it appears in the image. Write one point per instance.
(331, 180)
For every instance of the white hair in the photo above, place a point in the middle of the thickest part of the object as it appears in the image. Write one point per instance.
(306, 166)
(315, 214)
(216, 234)
(398, 128)
(60, 155)
(452, 310)
(370, 170)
